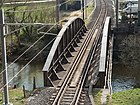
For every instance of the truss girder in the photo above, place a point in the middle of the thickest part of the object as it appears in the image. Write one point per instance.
(62, 48)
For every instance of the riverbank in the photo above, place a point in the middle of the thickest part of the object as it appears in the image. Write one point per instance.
(19, 97)
(127, 97)
(16, 97)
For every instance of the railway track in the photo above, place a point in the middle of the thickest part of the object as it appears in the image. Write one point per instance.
(71, 92)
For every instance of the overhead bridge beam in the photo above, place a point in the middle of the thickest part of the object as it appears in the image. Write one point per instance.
(62, 48)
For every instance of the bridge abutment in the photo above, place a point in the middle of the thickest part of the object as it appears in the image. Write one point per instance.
(101, 81)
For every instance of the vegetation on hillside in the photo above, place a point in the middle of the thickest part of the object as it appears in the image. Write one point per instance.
(127, 97)
(18, 41)
(97, 96)
(130, 48)
(16, 97)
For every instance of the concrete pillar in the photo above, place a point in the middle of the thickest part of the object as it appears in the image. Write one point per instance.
(139, 13)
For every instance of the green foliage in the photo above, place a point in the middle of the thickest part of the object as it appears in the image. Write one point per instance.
(71, 2)
(128, 97)
(16, 97)
(30, 13)
(124, 17)
(20, 40)
(97, 96)
(89, 10)
(130, 48)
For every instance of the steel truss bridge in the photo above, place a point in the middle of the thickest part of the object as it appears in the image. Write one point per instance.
(80, 57)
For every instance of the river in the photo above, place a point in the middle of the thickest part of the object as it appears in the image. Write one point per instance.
(124, 78)
(26, 76)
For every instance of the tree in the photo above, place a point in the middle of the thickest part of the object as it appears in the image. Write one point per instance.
(130, 51)
(24, 37)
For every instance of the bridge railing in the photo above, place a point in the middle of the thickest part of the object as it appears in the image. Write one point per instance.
(61, 49)
(103, 61)
(104, 44)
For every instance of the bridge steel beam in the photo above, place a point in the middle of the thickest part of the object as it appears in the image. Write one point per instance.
(104, 53)
(62, 48)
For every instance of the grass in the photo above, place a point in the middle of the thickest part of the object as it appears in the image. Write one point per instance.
(128, 97)
(78, 13)
(40, 12)
(89, 10)
(16, 97)
(97, 96)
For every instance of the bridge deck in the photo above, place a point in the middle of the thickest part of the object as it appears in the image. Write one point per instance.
(83, 61)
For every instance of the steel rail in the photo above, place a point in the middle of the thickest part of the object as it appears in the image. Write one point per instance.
(87, 66)
(74, 67)
(85, 71)
(75, 64)
(89, 38)
(69, 75)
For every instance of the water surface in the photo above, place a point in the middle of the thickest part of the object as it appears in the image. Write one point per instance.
(124, 78)
(26, 76)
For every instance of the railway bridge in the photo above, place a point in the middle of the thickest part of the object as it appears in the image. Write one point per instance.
(68, 44)
(80, 57)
